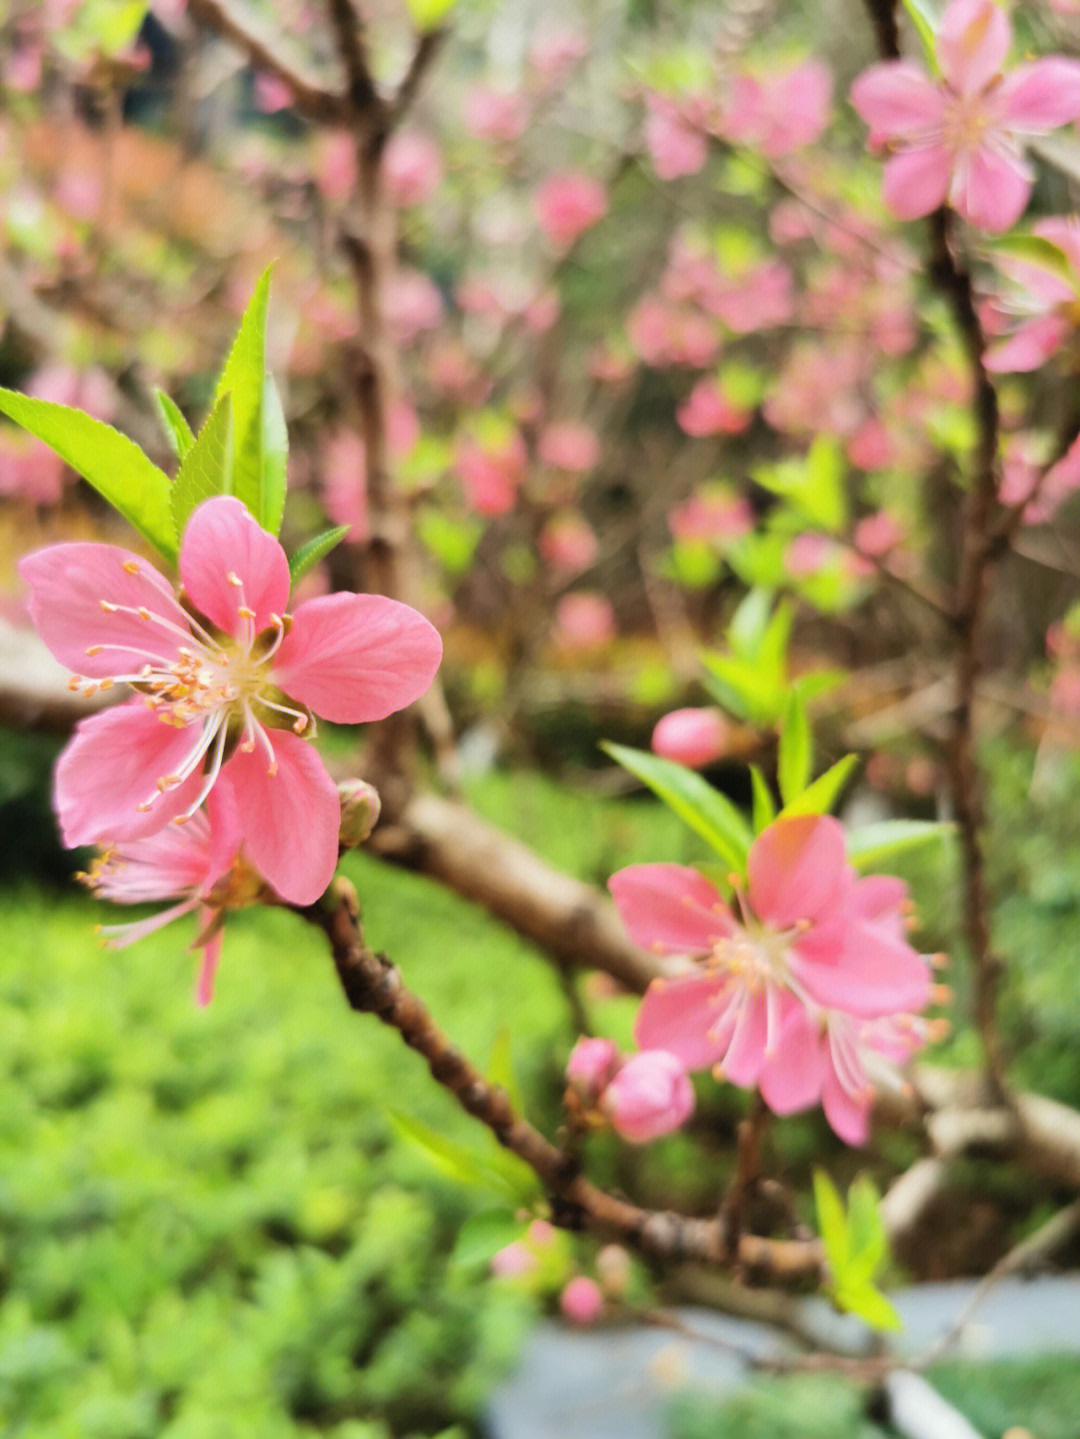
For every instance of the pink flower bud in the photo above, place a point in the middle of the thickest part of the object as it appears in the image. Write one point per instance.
(360, 809)
(581, 1301)
(513, 1260)
(649, 1096)
(694, 737)
(591, 1064)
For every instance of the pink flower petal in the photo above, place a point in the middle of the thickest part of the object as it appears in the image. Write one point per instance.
(291, 818)
(992, 189)
(797, 870)
(676, 1014)
(1030, 347)
(222, 539)
(972, 43)
(900, 100)
(916, 182)
(745, 1051)
(204, 984)
(879, 974)
(1038, 97)
(67, 586)
(670, 909)
(112, 766)
(849, 1118)
(357, 658)
(792, 1077)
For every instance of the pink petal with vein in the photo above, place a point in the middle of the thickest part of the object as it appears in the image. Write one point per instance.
(676, 1015)
(111, 766)
(745, 1051)
(792, 1077)
(290, 819)
(357, 658)
(797, 870)
(67, 585)
(899, 99)
(916, 182)
(849, 1118)
(671, 909)
(972, 43)
(1041, 95)
(992, 190)
(221, 539)
(204, 984)
(1030, 347)
(878, 975)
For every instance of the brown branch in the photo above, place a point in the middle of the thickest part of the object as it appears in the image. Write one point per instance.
(352, 48)
(372, 985)
(310, 98)
(428, 46)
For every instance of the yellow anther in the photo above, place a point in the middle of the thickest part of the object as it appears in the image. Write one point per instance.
(245, 612)
(234, 580)
(132, 566)
(110, 609)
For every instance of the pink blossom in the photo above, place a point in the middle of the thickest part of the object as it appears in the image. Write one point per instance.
(272, 93)
(1043, 301)
(568, 205)
(335, 164)
(592, 1063)
(581, 1301)
(569, 445)
(675, 146)
(871, 447)
(554, 55)
(781, 112)
(708, 411)
(693, 737)
(491, 472)
(804, 936)
(498, 115)
(344, 482)
(664, 334)
(413, 305)
(877, 534)
(712, 513)
(412, 168)
(189, 864)
(957, 141)
(649, 1095)
(242, 676)
(513, 1260)
(568, 542)
(584, 620)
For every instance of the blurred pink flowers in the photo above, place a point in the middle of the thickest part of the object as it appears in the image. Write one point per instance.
(214, 693)
(568, 205)
(957, 141)
(810, 936)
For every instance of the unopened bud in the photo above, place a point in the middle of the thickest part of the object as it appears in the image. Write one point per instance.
(360, 809)
(591, 1064)
(581, 1301)
(650, 1095)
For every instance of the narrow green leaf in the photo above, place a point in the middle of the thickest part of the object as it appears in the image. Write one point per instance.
(795, 759)
(925, 20)
(869, 1304)
(244, 377)
(275, 456)
(313, 550)
(454, 1160)
(869, 845)
(482, 1236)
(707, 812)
(1037, 250)
(177, 430)
(207, 468)
(866, 1230)
(500, 1070)
(106, 459)
(764, 811)
(744, 688)
(749, 622)
(820, 797)
(832, 1224)
(823, 498)
(817, 682)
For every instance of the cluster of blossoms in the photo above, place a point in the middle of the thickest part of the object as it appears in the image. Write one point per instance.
(808, 991)
(641, 1096)
(202, 785)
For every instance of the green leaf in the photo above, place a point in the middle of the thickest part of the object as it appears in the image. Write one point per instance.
(1037, 250)
(832, 1223)
(796, 757)
(872, 843)
(313, 550)
(924, 17)
(177, 430)
(106, 459)
(707, 812)
(746, 690)
(451, 540)
(258, 424)
(746, 629)
(497, 1172)
(429, 14)
(500, 1070)
(207, 468)
(866, 1230)
(817, 682)
(820, 797)
(764, 811)
(482, 1236)
(869, 1304)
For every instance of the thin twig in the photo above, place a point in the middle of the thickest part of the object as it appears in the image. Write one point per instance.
(373, 985)
(309, 97)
